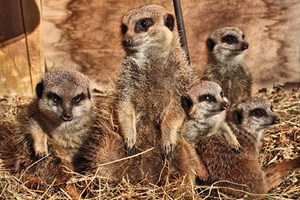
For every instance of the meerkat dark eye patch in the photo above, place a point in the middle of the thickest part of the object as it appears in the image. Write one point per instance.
(229, 39)
(124, 29)
(78, 98)
(143, 25)
(57, 100)
(258, 112)
(207, 97)
(169, 22)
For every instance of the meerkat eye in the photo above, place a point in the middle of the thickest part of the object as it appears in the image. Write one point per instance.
(207, 97)
(258, 112)
(78, 98)
(229, 39)
(143, 25)
(57, 100)
(124, 29)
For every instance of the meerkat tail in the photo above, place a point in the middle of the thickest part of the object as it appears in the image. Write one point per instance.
(274, 174)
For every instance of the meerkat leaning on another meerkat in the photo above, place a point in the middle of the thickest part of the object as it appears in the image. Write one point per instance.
(205, 106)
(154, 75)
(62, 111)
(226, 47)
(243, 171)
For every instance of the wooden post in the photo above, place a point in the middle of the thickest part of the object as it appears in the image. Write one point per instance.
(181, 30)
(21, 58)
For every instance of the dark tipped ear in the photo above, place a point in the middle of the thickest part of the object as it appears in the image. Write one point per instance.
(210, 44)
(186, 103)
(237, 116)
(169, 22)
(39, 89)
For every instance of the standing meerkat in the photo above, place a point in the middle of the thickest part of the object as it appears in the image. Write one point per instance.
(226, 47)
(250, 118)
(205, 106)
(153, 76)
(62, 111)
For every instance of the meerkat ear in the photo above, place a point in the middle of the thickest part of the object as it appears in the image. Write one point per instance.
(237, 116)
(169, 22)
(186, 103)
(39, 89)
(210, 44)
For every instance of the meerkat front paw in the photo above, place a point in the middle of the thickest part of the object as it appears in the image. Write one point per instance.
(168, 151)
(40, 151)
(235, 145)
(130, 145)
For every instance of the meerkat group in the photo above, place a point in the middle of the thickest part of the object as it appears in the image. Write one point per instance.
(161, 103)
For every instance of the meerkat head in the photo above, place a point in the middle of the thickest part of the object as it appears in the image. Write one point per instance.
(147, 27)
(226, 43)
(64, 95)
(204, 100)
(253, 115)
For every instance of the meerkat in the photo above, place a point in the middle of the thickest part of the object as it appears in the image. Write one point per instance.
(61, 111)
(154, 75)
(249, 119)
(205, 106)
(226, 48)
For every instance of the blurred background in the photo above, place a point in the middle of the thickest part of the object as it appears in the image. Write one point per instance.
(39, 35)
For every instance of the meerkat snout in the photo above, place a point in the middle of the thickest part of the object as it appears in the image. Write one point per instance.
(244, 46)
(224, 105)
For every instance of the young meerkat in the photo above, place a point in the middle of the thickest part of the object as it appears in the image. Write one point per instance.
(226, 47)
(205, 106)
(251, 117)
(62, 111)
(154, 75)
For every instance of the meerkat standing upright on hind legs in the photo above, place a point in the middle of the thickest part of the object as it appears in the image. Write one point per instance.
(226, 47)
(154, 75)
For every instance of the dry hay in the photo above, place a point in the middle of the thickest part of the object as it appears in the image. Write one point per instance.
(280, 143)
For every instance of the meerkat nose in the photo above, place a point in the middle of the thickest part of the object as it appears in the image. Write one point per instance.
(67, 117)
(276, 120)
(224, 105)
(127, 42)
(245, 45)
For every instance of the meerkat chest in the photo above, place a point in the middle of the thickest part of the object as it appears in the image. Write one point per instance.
(70, 136)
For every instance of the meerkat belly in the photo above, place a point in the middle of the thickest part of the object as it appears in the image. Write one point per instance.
(70, 136)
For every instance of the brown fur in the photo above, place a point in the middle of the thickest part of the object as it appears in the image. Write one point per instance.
(225, 65)
(243, 167)
(104, 153)
(153, 77)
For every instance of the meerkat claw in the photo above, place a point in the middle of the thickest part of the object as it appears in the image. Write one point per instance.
(40, 155)
(130, 147)
(168, 152)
